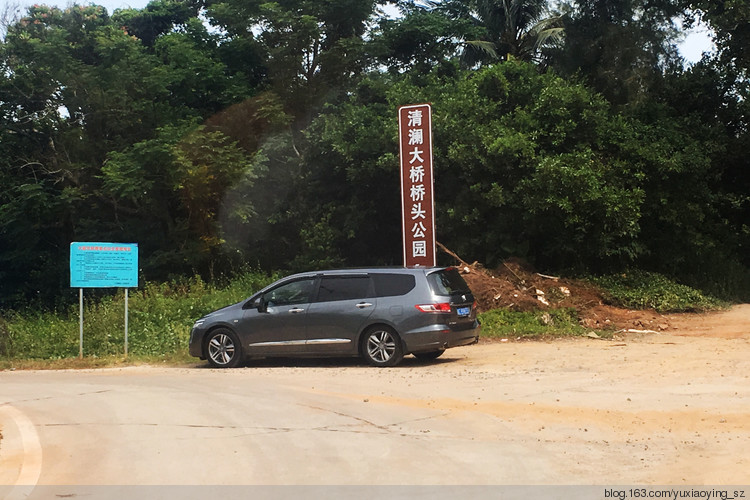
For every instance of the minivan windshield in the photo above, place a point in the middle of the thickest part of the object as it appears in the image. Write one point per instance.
(447, 282)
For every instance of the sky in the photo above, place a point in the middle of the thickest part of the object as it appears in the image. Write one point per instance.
(696, 43)
(691, 48)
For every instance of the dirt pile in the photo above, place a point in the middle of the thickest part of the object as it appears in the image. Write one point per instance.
(516, 286)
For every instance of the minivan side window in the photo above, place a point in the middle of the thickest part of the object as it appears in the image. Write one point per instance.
(393, 285)
(296, 292)
(343, 288)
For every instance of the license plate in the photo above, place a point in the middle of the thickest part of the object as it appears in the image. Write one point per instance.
(463, 311)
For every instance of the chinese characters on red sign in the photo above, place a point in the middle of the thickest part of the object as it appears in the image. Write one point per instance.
(417, 205)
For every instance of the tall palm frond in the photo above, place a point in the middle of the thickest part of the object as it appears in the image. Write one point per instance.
(483, 46)
(517, 28)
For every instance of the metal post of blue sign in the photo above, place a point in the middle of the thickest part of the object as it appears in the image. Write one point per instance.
(103, 265)
(80, 323)
(126, 322)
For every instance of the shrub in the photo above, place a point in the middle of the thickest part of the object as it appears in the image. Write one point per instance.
(646, 290)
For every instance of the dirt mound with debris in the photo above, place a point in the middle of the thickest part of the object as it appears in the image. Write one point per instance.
(516, 286)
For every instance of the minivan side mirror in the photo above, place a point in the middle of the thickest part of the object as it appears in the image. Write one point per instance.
(257, 303)
(261, 304)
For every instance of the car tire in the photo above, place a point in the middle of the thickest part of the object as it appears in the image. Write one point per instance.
(429, 355)
(223, 349)
(381, 346)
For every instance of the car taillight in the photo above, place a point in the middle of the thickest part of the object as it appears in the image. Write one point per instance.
(443, 307)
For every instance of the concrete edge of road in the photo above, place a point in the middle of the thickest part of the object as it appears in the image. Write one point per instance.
(20, 454)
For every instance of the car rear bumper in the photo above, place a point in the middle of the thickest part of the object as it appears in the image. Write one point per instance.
(438, 337)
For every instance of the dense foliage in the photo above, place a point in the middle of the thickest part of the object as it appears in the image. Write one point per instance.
(222, 133)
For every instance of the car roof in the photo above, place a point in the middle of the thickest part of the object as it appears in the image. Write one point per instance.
(354, 271)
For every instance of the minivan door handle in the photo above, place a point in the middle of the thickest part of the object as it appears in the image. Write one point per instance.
(362, 305)
(296, 310)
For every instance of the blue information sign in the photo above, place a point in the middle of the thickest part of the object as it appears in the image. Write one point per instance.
(103, 265)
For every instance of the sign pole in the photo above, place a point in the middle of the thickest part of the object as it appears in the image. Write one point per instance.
(103, 265)
(126, 322)
(80, 325)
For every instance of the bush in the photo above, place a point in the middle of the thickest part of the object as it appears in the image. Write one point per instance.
(647, 290)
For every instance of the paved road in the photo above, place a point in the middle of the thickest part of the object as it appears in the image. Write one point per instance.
(281, 423)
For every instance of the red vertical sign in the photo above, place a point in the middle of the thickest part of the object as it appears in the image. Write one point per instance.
(417, 203)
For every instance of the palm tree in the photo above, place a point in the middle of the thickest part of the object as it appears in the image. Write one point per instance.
(512, 28)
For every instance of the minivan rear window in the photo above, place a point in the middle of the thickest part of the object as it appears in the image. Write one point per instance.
(447, 282)
(392, 285)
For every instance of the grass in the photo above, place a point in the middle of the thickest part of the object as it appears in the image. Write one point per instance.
(159, 322)
(503, 323)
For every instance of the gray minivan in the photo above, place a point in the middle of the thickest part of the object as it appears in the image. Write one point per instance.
(381, 314)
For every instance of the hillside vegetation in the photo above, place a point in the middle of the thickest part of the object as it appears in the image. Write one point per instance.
(220, 134)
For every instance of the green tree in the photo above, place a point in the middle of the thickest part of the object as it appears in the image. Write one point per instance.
(522, 168)
(159, 17)
(619, 47)
(199, 80)
(351, 188)
(420, 38)
(271, 138)
(181, 178)
(527, 164)
(312, 48)
(542, 175)
(96, 145)
(708, 102)
(511, 28)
